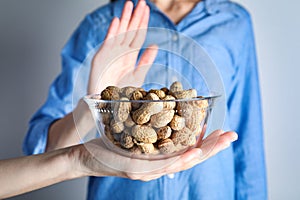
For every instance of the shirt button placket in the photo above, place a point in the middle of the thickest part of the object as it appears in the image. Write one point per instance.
(175, 37)
(174, 59)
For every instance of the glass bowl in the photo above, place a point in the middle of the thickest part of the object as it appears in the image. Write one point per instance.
(151, 129)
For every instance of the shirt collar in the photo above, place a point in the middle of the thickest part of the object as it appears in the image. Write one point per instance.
(210, 6)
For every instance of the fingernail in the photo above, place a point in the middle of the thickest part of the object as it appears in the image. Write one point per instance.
(235, 137)
(200, 153)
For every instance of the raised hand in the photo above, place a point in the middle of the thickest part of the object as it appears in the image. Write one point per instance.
(116, 60)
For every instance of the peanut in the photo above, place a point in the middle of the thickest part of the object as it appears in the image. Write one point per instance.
(151, 96)
(116, 127)
(203, 104)
(194, 112)
(185, 94)
(126, 140)
(176, 86)
(136, 95)
(166, 90)
(129, 122)
(141, 90)
(152, 127)
(169, 103)
(180, 137)
(110, 93)
(198, 114)
(164, 132)
(161, 94)
(185, 109)
(190, 141)
(144, 134)
(122, 110)
(147, 148)
(194, 123)
(166, 146)
(115, 88)
(127, 91)
(177, 123)
(162, 118)
(144, 113)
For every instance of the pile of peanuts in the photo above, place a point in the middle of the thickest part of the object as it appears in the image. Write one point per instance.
(152, 127)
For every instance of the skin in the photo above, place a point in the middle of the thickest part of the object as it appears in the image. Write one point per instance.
(29, 173)
(176, 10)
(25, 174)
(125, 35)
(62, 133)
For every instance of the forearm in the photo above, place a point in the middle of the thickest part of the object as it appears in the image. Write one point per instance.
(70, 129)
(25, 174)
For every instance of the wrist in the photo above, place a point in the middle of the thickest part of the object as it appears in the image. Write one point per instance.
(83, 118)
(77, 158)
(70, 129)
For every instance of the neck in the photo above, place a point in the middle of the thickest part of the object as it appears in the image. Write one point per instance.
(176, 10)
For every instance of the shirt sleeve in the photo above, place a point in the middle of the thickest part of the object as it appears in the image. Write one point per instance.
(59, 101)
(246, 118)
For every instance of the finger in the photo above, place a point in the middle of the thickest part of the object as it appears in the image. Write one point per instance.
(141, 33)
(145, 18)
(186, 160)
(126, 16)
(177, 164)
(147, 58)
(136, 18)
(145, 176)
(135, 21)
(211, 137)
(216, 142)
(113, 28)
(145, 62)
(125, 19)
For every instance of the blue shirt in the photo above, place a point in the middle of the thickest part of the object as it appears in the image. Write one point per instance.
(224, 30)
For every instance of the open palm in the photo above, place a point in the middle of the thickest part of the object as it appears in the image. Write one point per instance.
(116, 60)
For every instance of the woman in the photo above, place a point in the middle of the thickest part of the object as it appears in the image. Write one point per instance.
(25, 174)
(224, 30)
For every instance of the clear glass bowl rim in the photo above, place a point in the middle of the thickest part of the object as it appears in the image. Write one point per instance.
(90, 100)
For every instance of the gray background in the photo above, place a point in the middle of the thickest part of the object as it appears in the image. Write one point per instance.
(32, 33)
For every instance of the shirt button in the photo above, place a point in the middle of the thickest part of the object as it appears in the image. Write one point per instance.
(171, 176)
(175, 37)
